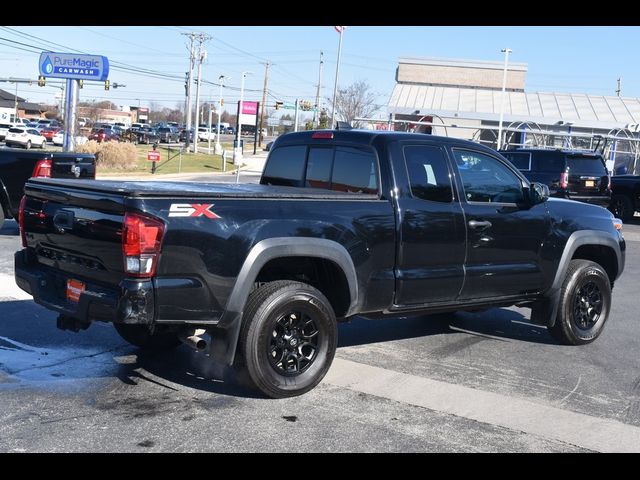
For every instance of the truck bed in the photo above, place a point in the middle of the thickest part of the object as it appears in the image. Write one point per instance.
(162, 189)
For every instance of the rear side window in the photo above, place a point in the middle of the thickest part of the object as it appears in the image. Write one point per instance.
(548, 162)
(4, 125)
(586, 166)
(428, 173)
(16, 130)
(354, 170)
(285, 166)
(520, 160)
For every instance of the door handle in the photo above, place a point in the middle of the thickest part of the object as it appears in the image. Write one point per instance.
(482, 224)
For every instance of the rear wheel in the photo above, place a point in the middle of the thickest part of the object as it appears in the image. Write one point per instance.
(622, 207)
(28, 145)
(585, 301)
(1, 216)
(288, 338)
(140, 336)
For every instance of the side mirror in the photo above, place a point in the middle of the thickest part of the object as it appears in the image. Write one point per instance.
(538, 193)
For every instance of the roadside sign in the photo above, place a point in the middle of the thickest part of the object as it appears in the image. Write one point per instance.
(153, 156)
(73, 66)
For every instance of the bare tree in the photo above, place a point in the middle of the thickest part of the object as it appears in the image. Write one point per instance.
(356, 100)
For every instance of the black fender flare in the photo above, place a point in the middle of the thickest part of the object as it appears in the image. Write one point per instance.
(225, 336)
(545, 310)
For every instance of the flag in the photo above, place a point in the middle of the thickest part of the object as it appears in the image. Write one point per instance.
(339, 29)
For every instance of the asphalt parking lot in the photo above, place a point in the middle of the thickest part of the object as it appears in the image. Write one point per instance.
(457, 383)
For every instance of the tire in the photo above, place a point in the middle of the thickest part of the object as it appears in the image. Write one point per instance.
(585, 302)
(43, 144)
(1, 217)
(622, 207)
(28, 145)
(278, 360)
(140, 336)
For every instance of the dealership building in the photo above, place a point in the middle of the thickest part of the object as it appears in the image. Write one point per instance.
(463, 99)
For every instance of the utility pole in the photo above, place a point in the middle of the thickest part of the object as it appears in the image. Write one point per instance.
(202, 56)
(192, 37)
(295, 118)
(340, 30)
(264, 100)
(316, 114)
(619, 86)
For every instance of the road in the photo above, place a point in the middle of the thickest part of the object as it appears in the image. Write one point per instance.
(465, 382)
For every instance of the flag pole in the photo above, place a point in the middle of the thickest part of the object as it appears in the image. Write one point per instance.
(335, 85)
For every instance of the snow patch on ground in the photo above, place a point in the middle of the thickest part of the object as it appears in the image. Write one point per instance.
(28, 363)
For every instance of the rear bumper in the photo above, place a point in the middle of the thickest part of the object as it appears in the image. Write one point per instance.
(131, 302)
(601, 200)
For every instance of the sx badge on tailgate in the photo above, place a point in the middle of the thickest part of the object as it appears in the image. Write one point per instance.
(192, 210)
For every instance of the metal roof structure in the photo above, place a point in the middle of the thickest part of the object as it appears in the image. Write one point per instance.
(577, 109)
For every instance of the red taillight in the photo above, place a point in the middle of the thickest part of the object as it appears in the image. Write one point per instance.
(564, 180)
(42, 169)
(141, 242)
(23, 201)
(325, 135)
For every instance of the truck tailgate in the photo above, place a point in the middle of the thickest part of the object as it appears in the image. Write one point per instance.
(75, 230)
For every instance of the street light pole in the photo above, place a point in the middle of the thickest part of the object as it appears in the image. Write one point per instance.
(218, 147)
(506, 52)
(238, 150)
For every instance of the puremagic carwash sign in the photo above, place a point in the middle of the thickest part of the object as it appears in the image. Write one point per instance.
(74, 66)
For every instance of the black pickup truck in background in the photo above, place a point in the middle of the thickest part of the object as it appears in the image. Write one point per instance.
(17, 165)
(625, 196)
(344, 223)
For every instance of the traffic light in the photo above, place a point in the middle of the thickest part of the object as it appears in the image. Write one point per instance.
(80, 83)
(41, 81)
(107, 84)
(278, 105)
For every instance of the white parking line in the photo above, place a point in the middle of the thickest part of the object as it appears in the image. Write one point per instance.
(9, 289)
(593, 433)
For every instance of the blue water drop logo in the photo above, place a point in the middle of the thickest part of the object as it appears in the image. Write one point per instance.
(47, 66)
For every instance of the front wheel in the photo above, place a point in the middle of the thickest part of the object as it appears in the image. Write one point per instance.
(140, 336)
(585, 302)
(28, 145)
(288, 338)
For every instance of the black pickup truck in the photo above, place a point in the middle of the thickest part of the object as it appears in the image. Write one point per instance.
(344, 223)
(17, 165)
(625, 196)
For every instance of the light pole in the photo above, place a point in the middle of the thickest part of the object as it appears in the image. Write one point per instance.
(218, 147)
(506, 52)
(238, 149)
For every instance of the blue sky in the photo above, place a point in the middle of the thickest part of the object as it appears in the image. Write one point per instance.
(560, 59)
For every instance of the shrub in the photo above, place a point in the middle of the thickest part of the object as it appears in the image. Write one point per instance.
(121, 156)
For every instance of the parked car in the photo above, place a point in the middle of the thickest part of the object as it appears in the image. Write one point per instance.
(230, 130)
(204, 134)
(268, 146)
(625, 196)
(168, 135)
(4, 128)
(103, 135)
(16, 166)
(343, 223)
(58, 138)
(184, 134)
(576, 175)
(139, 135)
(24, 137)
(49, 132)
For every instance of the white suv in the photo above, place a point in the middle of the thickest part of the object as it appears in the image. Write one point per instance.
(25, 137)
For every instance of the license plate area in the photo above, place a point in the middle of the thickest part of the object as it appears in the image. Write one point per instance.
(589, 183)
(74, 290)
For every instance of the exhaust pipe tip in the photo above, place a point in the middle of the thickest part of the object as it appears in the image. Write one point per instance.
(192, 339)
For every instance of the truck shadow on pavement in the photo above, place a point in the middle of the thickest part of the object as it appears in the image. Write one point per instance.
(33, 349)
